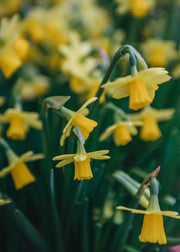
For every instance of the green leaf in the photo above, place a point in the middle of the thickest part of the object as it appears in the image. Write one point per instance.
(29, 230)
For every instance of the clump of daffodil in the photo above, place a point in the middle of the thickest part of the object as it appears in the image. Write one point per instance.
(122, 129)
(17, 168)
(78, 118)
(13, 47)
(19, 122)
(150, 117)
(81, 161)
(140, 86)
(153, 227)
(138, 8)
(158, 53)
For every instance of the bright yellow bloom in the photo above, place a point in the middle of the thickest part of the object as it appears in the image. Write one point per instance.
(21, 47)
(153, 227)
(20, 122)
(86, 86)
(121, 131)
(159, 52)
(140, 88)
(9, 62)
(81, 161)
(13, 48)
(150, 130)
(78, 119)
(77, 61)
(18, 169)
(138, 8)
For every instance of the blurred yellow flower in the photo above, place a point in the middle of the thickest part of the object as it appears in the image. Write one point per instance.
(158, 53)
(87, 87)
(18, 169)
(138, 8)
(121, 131)
(13, 48)
(81, 161)
(150, 130)
(78, 119)
(140, 88)
(76, 57)
(20, 122)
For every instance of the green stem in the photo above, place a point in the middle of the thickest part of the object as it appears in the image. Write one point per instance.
(119, 53)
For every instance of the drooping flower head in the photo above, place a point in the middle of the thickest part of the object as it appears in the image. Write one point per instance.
(19, 171)
(78, 118)
(153, 227)
(140, 87)
(150, 130)
(81, 161)
(20, 122)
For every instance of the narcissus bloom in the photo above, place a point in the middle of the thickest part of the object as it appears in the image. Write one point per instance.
(153, 227)
(138, 8)
(121, 131)
(78, 119)
(20, 122)
(150, 117)
(77, 61)
(140, 88)
(159, 52)
(14, 48)
(81, 161)
(18, 169)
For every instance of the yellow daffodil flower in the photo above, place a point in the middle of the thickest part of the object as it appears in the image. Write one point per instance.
(18, 169)
(20, 122)
(81, 161)
(14, 48)
(140, 88)
(159, 52)
(121, 131)
(138, 8)
(150, 130)
(85, 86)
(78, 119)
(153, 227)
(76, 61)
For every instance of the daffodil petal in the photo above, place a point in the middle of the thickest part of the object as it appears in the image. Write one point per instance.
(64, 162)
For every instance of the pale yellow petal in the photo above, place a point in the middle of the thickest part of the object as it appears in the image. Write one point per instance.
(4, 201)
(164, 114)
(121, 92)
(64, 162)
(65, 156)
(91, 100)
(107, 132)
(132, 210)
(6, 170)
(98, 154)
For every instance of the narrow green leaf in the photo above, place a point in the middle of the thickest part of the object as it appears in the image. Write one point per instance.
(29, 230)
